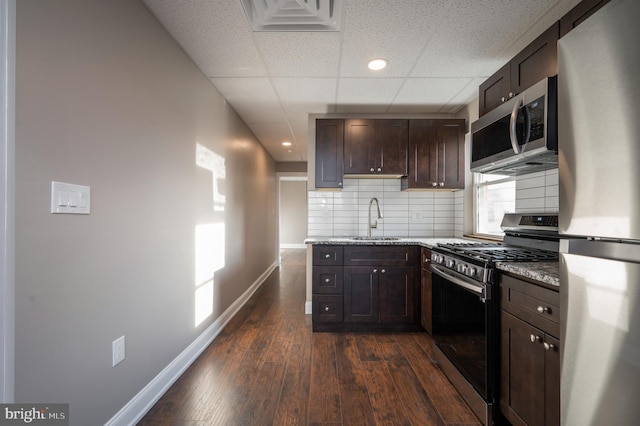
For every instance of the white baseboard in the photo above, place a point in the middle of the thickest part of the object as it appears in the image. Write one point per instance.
(293, 246)
(137, 407)
(308, 308)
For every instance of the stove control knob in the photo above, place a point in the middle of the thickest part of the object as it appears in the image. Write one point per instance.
(437, 258)
(450, 263)
(462, 268)
(471, 271)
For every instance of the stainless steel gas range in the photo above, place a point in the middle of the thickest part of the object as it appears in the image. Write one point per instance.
(465, 303)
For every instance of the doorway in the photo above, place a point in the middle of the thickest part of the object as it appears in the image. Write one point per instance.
(292, 206)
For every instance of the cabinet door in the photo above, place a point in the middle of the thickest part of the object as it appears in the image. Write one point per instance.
(450, 154)
(396, 294)
(522, 372)
(359, 146)
(391, 144)
(361, 294)
(578, 14)
(422, 137)
(536, 61)
(426, 293)
(495, 90)
(426, 312)
(329, 153)
(552, 381)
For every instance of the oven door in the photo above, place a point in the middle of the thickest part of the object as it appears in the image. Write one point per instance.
(463, 327)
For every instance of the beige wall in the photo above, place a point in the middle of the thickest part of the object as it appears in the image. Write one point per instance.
(106, 98)
(293, 212)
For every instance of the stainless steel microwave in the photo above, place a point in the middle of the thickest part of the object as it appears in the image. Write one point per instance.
(521, 135)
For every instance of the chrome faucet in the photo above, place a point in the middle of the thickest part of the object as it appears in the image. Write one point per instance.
(373, 225)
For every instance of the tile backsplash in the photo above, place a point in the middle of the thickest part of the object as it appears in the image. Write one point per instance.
(405, 213)
(537, 192)
(414, 213)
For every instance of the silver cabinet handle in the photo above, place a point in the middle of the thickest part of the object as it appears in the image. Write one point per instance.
(434, 184)
(383, 271)
(441, 184)
(327, 280)
(535, 338)
(327, 256)
(327, 309)
(375, 271)
(542, 309)
(379, 169)
(549, 346)
(372, 170)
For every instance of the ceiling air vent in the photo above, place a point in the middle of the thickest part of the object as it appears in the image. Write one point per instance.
(294, 15)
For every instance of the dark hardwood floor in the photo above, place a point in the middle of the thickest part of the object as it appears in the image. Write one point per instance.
(268, 368)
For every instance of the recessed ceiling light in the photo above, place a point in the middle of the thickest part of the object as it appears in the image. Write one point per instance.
(286, 143)
(377, 64)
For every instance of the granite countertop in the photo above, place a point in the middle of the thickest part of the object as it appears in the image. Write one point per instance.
(343, 241)
(546, 272)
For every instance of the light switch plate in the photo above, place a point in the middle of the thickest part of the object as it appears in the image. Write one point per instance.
(70, 198)
(117, 349)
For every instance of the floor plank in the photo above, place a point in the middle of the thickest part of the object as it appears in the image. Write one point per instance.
(268, 368)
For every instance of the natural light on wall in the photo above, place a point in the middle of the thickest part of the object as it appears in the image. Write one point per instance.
(210, 237)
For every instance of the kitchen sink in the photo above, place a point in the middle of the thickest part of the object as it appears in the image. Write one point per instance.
(375, 238)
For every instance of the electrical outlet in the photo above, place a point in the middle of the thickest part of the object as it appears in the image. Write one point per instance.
(117, 347)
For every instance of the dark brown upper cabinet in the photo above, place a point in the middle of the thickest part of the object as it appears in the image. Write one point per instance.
(329, 153)
(534, 63)
(375, 146)
(436, 154)
(578, 14)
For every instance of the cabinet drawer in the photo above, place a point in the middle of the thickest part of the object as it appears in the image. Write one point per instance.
(537, 305)
(382, 255)
(327, 308)
(327, 255)
(327, 280)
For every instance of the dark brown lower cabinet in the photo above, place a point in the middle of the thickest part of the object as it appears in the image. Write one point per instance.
(382, 294)
(366, 287)
(426, 310)
(529, 355)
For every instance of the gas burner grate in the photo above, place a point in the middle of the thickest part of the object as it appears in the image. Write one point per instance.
(497, 252)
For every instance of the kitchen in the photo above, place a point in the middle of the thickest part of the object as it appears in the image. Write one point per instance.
(160, 166)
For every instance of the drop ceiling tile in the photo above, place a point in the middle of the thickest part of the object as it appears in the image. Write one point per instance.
(476, 38)
(215, 34)
(427, 94)
(254, 99)
(366, 94)
(395, 30)
(303, 96)
(272, 134)
(300, 54)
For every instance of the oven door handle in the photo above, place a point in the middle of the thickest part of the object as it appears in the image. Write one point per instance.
(480, 290)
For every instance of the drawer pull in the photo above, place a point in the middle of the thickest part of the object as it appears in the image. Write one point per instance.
(383, 271)
(535, 338)
(327, 256)
(327, 280)
(549, 346)
(543, 309)
(327, 309)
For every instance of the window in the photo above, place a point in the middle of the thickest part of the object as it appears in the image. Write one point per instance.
(494, 196)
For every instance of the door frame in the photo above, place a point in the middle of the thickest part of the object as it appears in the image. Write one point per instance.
(7, 198)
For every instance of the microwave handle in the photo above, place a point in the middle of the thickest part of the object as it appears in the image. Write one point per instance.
(512, 127)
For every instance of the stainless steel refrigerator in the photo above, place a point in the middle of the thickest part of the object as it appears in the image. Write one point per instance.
(599, 217)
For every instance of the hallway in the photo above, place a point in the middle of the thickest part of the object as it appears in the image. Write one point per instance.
(268, 368)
